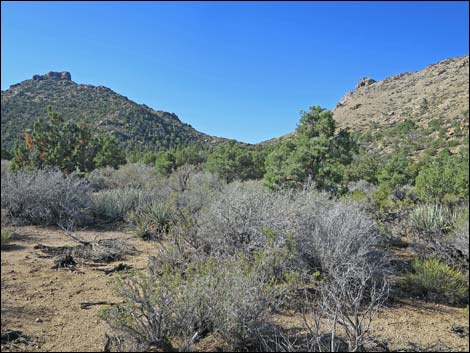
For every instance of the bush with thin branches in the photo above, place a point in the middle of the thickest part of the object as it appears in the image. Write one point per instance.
(45, 197)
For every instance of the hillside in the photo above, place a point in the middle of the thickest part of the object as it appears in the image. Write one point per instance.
(428, 108)
(419, 111)
(133, 124)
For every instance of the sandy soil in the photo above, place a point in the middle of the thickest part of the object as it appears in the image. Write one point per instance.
(44, 303)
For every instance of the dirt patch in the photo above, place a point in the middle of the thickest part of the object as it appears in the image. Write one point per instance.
(45, 303)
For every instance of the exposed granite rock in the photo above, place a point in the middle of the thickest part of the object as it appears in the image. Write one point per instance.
(365, 81)
(54, 75)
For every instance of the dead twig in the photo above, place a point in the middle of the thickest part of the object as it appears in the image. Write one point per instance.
(87, 305)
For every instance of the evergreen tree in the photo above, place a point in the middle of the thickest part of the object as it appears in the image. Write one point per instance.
(69, 146)
(316, 153)
(232, 161)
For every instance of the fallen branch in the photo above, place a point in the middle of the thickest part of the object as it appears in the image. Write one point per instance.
(87, 305)
(68, 233)
(118, 268)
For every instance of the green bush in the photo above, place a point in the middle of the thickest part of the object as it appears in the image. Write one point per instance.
(6, 236)
(233, 161)
(397, 171)
(437, 281)
(432, 219)
(356, 195)
(445, 178)
(364, 166)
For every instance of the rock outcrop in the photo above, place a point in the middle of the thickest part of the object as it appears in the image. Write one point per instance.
(64, 75)
(365, 81)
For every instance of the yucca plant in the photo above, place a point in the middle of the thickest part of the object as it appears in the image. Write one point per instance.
(432, 219)
(151, 220)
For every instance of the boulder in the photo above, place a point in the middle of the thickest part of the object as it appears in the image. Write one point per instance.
(365, 81)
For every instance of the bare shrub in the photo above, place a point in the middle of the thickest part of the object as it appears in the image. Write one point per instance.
(460, 240)
(362, 186)
(337, 237)
(186, 207)
(174, 309)
(179, 180)
(101, 251)
(45, 197)
(350, 299)
(131, 175)
(236, 219)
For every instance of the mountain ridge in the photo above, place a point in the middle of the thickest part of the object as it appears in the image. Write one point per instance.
(137, 126)
(435, 95)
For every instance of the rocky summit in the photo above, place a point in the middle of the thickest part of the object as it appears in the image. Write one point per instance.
(54, 75)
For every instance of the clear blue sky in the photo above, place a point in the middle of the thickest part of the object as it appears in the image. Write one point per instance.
(238, 70)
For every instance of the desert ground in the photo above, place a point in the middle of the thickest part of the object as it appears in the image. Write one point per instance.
(58, 310)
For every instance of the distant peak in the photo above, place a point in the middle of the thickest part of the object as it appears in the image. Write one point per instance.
(64, 75)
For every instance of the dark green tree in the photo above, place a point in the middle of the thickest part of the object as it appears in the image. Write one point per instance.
(233, 161)
(109, 153)
(365, 166)
(67, 145)
(315, 153)
(165, 162)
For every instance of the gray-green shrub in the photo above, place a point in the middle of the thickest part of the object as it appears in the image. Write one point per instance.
(115, 204)
(131, 175)
(45, 197)
(336, 237)
(151, 220)
(187, 303)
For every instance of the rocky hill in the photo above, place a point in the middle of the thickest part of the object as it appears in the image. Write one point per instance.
(421, 111)
(431, 104)
(135, 125)
(440, 90)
